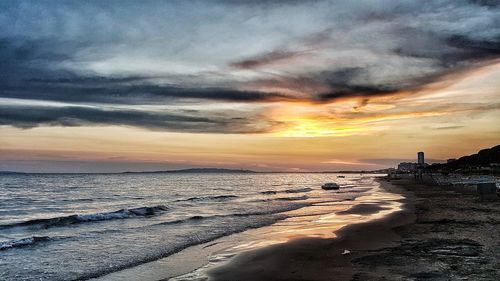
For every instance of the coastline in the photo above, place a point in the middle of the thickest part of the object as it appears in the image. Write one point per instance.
(304, 228)
(438, 235)
(319, 258)
(454, 236)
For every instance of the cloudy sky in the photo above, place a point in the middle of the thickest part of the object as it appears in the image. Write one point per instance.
(90, 86)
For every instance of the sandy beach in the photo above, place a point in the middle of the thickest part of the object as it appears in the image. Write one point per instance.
(217, 140)
(372, 229)
(439, 235)
(454, 236)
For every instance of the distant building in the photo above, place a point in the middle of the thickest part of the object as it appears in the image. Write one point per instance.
(421, 160)
(407, 167)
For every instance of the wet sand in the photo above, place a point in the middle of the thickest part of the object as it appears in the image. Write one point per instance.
(305, 228)
(439, 235)
(320, 258)
(454, 237)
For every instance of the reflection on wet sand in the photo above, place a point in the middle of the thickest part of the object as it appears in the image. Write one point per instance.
(316, 221)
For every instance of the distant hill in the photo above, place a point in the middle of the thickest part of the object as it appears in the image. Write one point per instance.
(197, 170)
(483, 158)
(11, 173)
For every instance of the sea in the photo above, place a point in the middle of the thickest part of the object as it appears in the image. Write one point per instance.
(85, 226)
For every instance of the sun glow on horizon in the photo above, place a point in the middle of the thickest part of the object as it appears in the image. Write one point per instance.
(211, 83)
(302, 127)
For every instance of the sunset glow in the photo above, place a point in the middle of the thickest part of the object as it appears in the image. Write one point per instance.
(148, 87)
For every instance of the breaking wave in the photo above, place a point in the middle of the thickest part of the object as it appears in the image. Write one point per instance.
(298, 190)
(23, 242)
(75, 219)
(303, 197)
(209, 198)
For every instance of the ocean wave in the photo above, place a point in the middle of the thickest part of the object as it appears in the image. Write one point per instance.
(209, 198)
(75, 219)
(353, 190)
(293, 198)
(78, 200)
(23, 242)
(195, 238)
(298, 190)
(249, 214)
(193, 218)
(269, 192)
(303, 197)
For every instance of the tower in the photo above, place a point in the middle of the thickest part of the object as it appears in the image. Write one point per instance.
(421, 160)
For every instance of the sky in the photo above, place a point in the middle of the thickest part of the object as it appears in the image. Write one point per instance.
(111, 86)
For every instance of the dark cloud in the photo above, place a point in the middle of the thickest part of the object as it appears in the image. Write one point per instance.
(111, 92)
(446, 51)
(446, 56)
(26, 74)
(369, 48)
(266, 59)
(487, 3)
(471, 49)
(345, 83)
(27, 116)
(348, 91)
(25, 60)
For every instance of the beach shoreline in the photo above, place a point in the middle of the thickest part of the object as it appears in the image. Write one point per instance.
(304, 227)
(319, 258)
(438, 235)
(454, 236)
